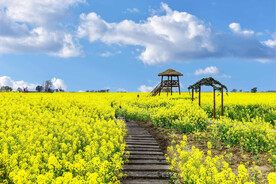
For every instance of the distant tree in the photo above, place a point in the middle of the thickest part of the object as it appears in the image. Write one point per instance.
(61, 90)
(240, 90)
(254, 90)
(39, 88)
(234, 90)
(5, 89)
(19, 89)
(48, 85)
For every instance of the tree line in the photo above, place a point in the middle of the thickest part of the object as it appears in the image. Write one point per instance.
(46, 87)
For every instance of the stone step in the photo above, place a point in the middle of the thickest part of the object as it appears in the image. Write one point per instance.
(146, 157)
(146, 175)
(143, 149)
(141, 146)
(145, 153)
(146, 167)
(143, 181)
(147, 162)
(141, 143)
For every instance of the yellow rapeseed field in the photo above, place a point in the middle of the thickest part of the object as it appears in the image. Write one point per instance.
(59, 138)
(75, 137)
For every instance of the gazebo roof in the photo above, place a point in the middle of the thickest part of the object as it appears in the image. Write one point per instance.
(170, 72)
(207, 82)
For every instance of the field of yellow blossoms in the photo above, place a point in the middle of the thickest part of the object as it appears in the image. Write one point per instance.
(59, 138)
(75, 137)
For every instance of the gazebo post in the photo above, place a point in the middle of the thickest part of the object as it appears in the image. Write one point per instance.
(168, 87)
(192, 94)
(171, 85)
(178, 85)
(214, 103)
(161, 84)
(199, 95)
(221, 101)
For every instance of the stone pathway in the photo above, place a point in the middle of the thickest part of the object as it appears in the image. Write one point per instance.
(147, 163)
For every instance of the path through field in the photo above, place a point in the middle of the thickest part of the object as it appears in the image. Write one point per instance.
(147, 163)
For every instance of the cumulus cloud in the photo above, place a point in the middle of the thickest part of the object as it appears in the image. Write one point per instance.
(33, 26)
(133, 10)
(106, 54)
(211, 70)
(144, 88)
(121, 90)
(208, 70)
(176, 36)
(7, 81)
(236, 28)
(58, 84)
(37, 12)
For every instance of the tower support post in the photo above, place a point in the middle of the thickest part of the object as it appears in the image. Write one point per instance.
(214, 103)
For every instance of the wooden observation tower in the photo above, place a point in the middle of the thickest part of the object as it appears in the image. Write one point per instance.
(169, 83)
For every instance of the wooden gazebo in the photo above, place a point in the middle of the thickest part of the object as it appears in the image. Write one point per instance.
(169, 83)
(209, 82)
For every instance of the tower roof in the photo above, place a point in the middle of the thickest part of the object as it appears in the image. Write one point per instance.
(170, 72)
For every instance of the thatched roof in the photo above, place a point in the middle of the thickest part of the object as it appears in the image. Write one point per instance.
(208, 82)
(170, 72)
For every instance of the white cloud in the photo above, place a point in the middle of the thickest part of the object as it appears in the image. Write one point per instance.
(236, 28)
(121, 90)
(133, 10)
(144, 88)
(208, 70)
(272, 42)
(40, 40)
(211, 70)
(37, 12)
(226, 76)
(7, 81)
(34, 26)
(58, 83)
(175, 36)
(106, 54)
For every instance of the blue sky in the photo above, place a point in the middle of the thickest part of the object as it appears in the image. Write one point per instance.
(123, 45)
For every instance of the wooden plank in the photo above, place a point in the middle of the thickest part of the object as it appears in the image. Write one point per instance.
(148, 135)
(145, 181)
(145, 153)
(143, 149)
(141, 138)
(146, 175)
(147, 162)
(146, 167)
(142, 146)
(141, 143)
(146, 157)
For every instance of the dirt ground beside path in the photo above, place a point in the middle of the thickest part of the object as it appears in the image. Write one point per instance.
(163, 137)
